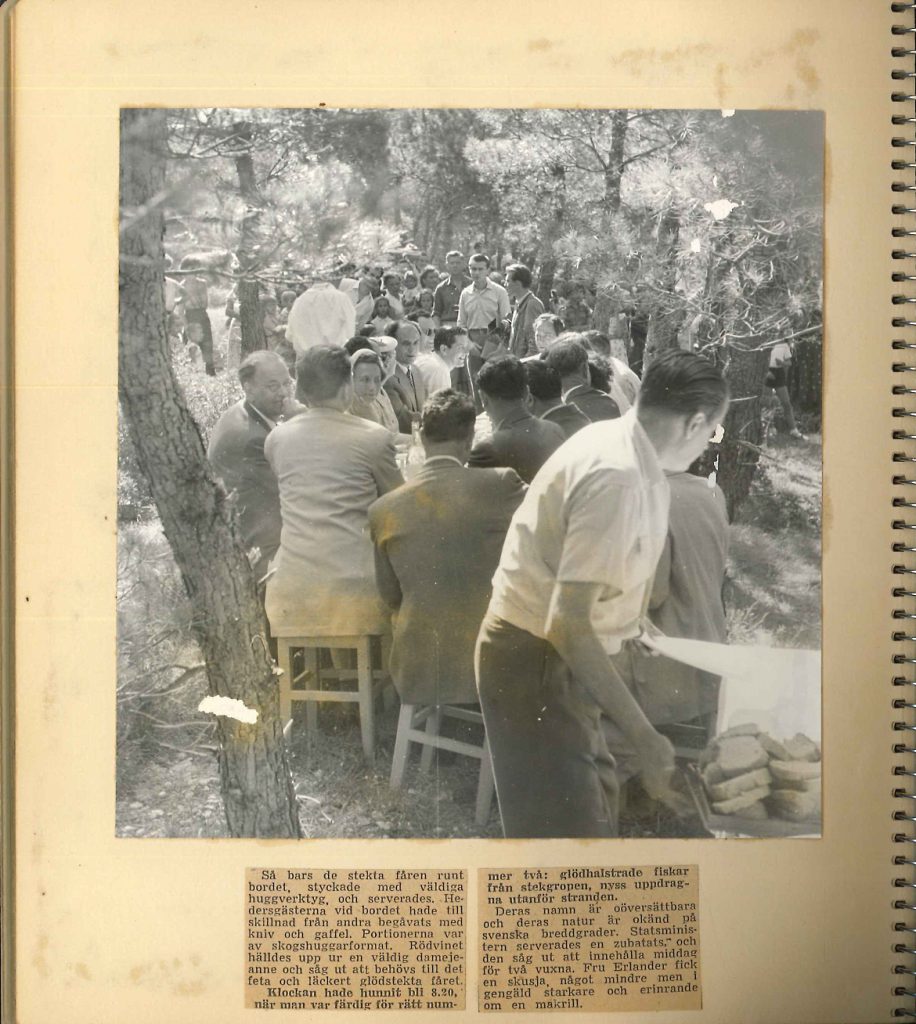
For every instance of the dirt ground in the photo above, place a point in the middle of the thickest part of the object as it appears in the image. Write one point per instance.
(167, 771)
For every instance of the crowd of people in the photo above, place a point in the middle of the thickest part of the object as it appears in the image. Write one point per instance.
(505, 498)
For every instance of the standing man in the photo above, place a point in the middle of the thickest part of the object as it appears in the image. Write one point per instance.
(405, 386)
(481, 307)
(236, 452)
(448, 292)
(195, 300)
(322, 315)
(573, 583)
(528, 307)
(482, 302)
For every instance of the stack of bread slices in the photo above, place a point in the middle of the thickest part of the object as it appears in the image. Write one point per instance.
(749, 774)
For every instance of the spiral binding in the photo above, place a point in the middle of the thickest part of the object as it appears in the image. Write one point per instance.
(905, 501)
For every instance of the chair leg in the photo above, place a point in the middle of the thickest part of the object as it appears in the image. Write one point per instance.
(485, 788)
(366, 696)
(310, 665)
(401, 746)
(432, 730)
(284, 661)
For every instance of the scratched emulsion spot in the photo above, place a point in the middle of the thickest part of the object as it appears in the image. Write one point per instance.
(230, 707)
(721, 208)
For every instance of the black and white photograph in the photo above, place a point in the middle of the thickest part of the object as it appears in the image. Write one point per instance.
(469, 473)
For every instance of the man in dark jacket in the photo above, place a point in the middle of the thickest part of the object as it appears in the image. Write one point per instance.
(405, 386)
(236, 452)
(546, 402)
(437, 543)
(519, 439)
(569, 357)
(528, 307)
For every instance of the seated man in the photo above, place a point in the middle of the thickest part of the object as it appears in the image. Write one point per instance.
(330, 467)
(437, 544)
(519, 439)
(236, 452)
(405, 386)
(614, 353)
(450, 347)
(545, 390)
(569, 357)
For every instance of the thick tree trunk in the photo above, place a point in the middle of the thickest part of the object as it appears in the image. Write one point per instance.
(668, 314)
(198, 522)
(806, 375)
(250, 319)
(739, 452)
(613, 174)
(555, 228)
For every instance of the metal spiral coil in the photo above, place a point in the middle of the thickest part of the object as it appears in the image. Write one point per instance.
(906, 721)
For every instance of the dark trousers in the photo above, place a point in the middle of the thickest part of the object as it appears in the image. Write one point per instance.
(555, 777)
(202, 317)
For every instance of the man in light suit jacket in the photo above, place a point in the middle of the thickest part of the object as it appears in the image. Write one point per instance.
(236, 452)
(519, 440)
(528, 307)
(330, 467)
(437, 543)
(405, 386)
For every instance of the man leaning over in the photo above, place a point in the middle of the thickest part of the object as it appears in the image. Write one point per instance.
(573, 583)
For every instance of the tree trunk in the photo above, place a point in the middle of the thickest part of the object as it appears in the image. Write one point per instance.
(555, 229)
(668, 313)
(613, 173)
(249, 291)
(739, 450)
(805, 374)
(198, 522)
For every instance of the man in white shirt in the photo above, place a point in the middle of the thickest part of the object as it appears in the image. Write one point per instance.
(482, 306)
(321, 315)
(573, 584)
(483, 301)
(450, 347)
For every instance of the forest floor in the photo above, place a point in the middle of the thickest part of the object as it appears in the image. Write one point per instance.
(167, 782)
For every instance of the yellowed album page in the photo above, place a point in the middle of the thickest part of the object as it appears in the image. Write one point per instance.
(114, 929)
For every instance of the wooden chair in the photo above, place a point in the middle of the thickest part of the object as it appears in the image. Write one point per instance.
(308, 685)
(420, 723)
